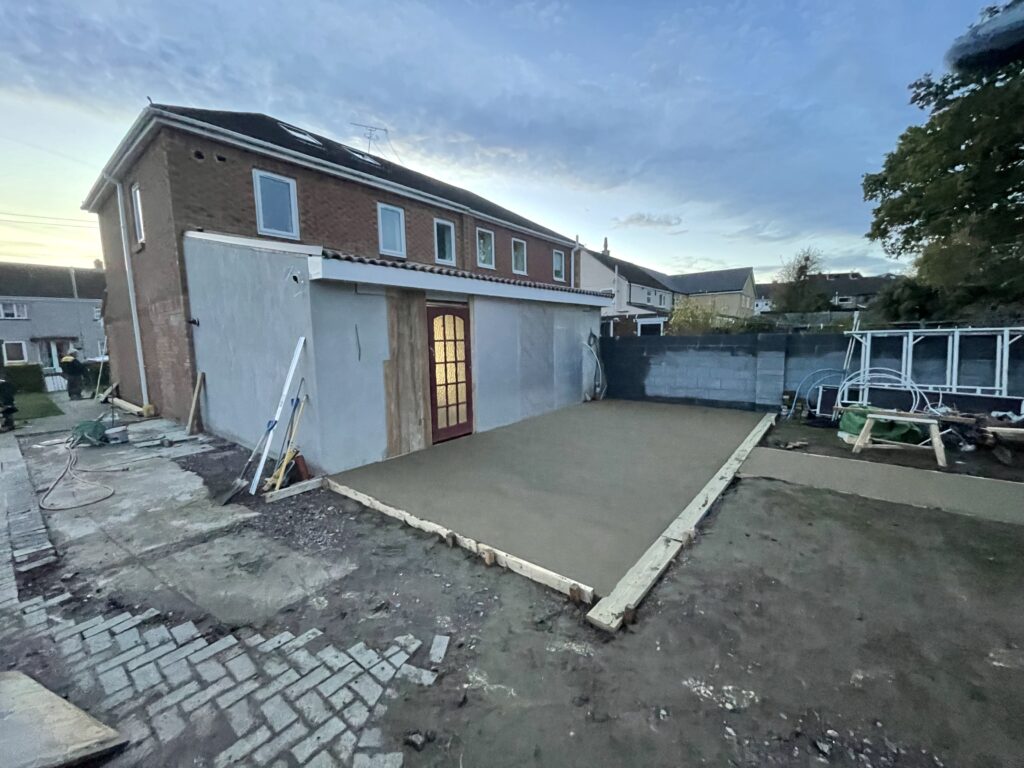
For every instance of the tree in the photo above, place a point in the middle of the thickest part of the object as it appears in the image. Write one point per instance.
(689, 316)
(800, 292)
(951, 195)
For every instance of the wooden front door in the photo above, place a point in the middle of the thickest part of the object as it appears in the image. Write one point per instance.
(451, 380)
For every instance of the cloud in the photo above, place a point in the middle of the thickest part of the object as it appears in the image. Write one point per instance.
(766, 231)
(651, 220)
(768, 110)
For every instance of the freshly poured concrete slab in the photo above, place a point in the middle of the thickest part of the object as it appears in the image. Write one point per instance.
(39, 729)
(998, 500)
(583, 491)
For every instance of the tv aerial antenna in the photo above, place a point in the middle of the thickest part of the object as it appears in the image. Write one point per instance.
(371, 131)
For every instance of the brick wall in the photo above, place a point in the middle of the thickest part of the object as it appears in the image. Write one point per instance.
(193, 183)
(215, 193)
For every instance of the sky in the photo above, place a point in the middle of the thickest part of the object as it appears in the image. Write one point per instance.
(696, 134)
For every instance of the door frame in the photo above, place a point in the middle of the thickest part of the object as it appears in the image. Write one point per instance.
(462, 310)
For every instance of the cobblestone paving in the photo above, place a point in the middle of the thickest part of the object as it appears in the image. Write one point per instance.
(285, 700)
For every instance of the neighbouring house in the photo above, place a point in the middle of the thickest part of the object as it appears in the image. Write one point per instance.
(844, 290)
(46, 312)
(642, 303)
(428, 312)
(729, 293)
(644, 297)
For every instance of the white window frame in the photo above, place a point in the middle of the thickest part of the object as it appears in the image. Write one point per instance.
(558, 257)
(258, 174)
(658, 321)
(24, 352)
(525, 270)
(451, 228)
(140, 228)
(380, 230)
(494, 249)
(19, 310)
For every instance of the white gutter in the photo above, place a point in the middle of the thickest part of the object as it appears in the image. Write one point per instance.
(131, 286)
(198, 127)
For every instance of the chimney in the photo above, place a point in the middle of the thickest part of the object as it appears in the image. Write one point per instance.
(605, 249)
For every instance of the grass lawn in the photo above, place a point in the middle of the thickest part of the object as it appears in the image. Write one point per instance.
(34, 405)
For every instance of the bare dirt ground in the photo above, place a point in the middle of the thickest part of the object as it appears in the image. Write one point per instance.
(823, 441)
(803, 628)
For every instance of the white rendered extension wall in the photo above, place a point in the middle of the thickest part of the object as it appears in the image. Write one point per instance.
(529, 358)
(253, 300)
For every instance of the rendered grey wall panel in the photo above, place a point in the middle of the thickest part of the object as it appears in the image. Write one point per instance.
(251, 313)
(350, 341)
(495, 336)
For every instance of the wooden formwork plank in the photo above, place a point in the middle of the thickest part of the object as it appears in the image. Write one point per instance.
(490, 555)
(294, 489)
(631, 589)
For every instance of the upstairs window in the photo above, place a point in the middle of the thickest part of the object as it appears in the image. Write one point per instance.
(485, 248)
(661, 299)
(391, 230)
(13, 311)
(518, 256)
(140, 231)
(277, 208)
(558, 265)
(444, 242)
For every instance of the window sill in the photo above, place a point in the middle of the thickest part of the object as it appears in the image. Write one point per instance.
(485, 266)
(392, 254)
(279, 235)
(442, 263)
(521, 274)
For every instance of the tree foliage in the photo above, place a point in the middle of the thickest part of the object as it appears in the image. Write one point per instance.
(689, 317)
(951, 195)
(799, 293)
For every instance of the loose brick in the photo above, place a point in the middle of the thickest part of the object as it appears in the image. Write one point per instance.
(158, 635)
(146, 677)
(241, 667)
(367, 688)
(342, 698)
(178, 672)
(281, 742)
(98, 642)
(205, 695)
(301, 640)
(334, 682)
(109, 623)
(334, 658)
(151, 655)
(356, 714)
(303, 661)
(241, 748)
(121, 658)
(364, 656)
(240, 717)
(279, 683)
(383, 671)
(127, 638)
(438, 648)
(182, 652)
(344, 747)
(321, 737)
(276, 642)
(239, 691)
(312, 707)
(278, 714)
(222, 644)
(184, 632)
(311, 680)
(113, 680)
(211, 670)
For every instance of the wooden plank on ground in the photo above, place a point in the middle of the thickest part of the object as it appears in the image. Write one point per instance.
(294, 489)
(491, 555)
(631, 589)
(193, 411)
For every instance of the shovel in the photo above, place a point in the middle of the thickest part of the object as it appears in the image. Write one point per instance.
(240, 481)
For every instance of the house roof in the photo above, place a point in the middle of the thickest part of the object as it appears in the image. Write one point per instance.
(438, 269)
(262, 130)
(633, 273)
(715, 281)
(38, 281)
(842, 283)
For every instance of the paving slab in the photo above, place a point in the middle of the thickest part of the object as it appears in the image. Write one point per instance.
(39, 729)
(997, 500)
(582, 491)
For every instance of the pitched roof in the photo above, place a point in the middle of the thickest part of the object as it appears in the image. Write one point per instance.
(842, 283)
(263, 128)
(715, 281)
(36, 280)
(633, 273)
(438, 269)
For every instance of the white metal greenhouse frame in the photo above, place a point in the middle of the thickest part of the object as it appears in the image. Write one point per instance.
(1004, 339)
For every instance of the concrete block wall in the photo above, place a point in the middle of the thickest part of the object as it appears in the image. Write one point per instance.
(754, 370)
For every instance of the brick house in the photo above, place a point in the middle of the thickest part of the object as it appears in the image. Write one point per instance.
(205, 214)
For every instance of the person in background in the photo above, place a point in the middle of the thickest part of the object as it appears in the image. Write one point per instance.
(7, 409)
(74, 371)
